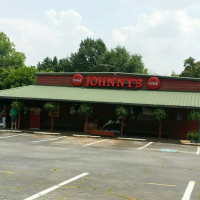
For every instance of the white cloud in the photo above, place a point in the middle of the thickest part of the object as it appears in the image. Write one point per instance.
(164, 39)
(60, 36)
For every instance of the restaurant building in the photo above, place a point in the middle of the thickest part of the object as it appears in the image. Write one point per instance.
(140, 93)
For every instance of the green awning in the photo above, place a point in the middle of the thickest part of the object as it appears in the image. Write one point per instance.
(98, 95)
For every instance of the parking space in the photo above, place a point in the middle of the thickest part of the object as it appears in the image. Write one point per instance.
(66, 167)
(172, 148)
(98, 142)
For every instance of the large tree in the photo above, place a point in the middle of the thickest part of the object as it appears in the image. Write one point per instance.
(191, 68)
(13, 72)
(120, 60)
(89, 55)
(93, 56)
(3, 74)
(48, 64)
(9, 57)
(65, 65)
(55, 65)
(116, 59)
(19, 77)
(135, 65)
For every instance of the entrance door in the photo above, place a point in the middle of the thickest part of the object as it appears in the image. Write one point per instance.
(35, 118)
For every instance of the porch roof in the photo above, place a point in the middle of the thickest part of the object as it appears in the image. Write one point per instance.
(157, 98)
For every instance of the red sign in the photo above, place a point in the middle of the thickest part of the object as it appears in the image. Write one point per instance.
(153, 83)
(93, 81)
(113, 82)
(77, 80)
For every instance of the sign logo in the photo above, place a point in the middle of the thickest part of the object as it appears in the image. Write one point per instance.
(113, 82)
(77, 80)
(93, 81)
(153, 83)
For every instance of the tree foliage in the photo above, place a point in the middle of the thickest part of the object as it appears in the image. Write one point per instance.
(50, 106)
(135, 65)
(86, 109)
(160, 113)
(121, 111)
(120, 60)
(93, 56)
(116, 58)
(89, 55)
(13, 72)
(191, 68)
(18, 105)
(193, 115)
(19, 77)
(174, 74)
(9, 57)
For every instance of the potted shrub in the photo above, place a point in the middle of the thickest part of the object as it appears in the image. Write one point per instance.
(19, 106)
(193, 136)
(86, 109)
(159, 114)
(51, 107)
(121, 111)
(192, 116)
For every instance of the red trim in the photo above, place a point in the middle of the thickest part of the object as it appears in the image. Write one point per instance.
(165, 83)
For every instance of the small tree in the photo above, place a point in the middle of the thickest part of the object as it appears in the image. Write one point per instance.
(51, 107)
(194, 115)
(19, 106)
(87, 110)
(121, 111)
(159, 114)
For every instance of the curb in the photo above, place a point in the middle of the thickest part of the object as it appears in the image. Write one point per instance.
(119, 138)
(187, 142)
(39, 132)
(45, 133)
(89, 136)
(192, 144)
(10, 131)
(133, 139)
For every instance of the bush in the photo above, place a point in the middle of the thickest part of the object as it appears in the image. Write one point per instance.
(86, 109)
(160, 113)
(50, 106)
(193, 115)
(18, 105)
(193, 135)
(121, 111)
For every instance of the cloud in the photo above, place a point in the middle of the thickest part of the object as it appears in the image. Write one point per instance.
(164, 39)
(59, 36)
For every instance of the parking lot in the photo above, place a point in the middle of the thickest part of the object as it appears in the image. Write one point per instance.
(74, 168)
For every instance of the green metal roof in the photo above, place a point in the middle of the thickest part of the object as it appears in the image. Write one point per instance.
(96, 95)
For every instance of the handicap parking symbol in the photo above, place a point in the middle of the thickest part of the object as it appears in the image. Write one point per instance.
(169, 150)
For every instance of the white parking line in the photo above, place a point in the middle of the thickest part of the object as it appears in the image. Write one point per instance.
(159, 184)
(145, 146)
(55, 187)
(50, 139)
(198, 150)
(186, 152)
(94, 143)
(12, 136)
(188, 190)
(6, 172)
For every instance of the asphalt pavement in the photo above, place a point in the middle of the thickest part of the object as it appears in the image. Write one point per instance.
(59, 167)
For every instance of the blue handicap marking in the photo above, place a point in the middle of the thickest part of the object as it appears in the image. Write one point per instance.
(169, 150)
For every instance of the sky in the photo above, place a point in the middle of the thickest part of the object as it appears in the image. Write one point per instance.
(163, 32)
